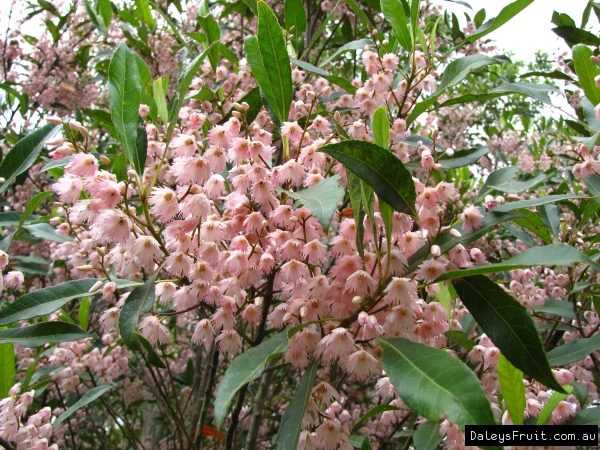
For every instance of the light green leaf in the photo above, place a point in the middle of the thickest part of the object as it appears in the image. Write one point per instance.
(354, 45)
(243, 369)
(427, 436)
(513, 391)
(213, 34)
(25, 153)
(144, 7)
(381, 128)
(7, 368)
(46, 231)
(356, 9)
(573, 351)
(85, 399)
(461, 338)
(356, 202)
(124, 91)
(43, 333)
(83, 314)
(376, 410)
(140, 299)
(508, 325)
(434, 384)
(295, 16)
(321, 199)
(394, 14)
(379, 168)
(291, 422)
(557, 397)
(549, 214)
(588, 416)
(586, 71)
(31, 207)
(158, 89)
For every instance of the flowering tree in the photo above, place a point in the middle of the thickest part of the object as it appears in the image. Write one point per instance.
(301, 224)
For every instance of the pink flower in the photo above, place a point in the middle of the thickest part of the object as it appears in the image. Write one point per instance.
(68, 188)
(361, 364)
(294, 271)
(82, 164)
(151, 328)
(14, 279)
(329, 434)
(430, 269)
(338, 344)
(111, 225)
(361, 283)
(229, 342)
(203, 333)
(184, 145)
(219, 136)
(472, 219)
(164, 201)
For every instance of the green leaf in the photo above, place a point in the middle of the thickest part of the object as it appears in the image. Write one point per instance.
(7, 368)
(434, 384)
(45, 301)
(125, 90)
(119, 167)
(43, 333)
(394, 14)
(321, 199)
(160, 97)
(213, 34)
(513, 391)
(549, 214)
(276, 61)
(427, 436)
(25, 153)
(152, 356)
(557, 397)
(533, 90)
(356, 9)
(381, 128)
(557, 307)
(291, 421)
(371, 413)
(356, 202)
(254, 106)
(574, 35)
(31, 207)
(48, 232)
(141, 146)
(83, 314)
(520, 234)
(354, 45)
(511, 206)
(463, 158)
(534, 223)
(508, 325)
(586, 72)
(366, 443)
(573, 351)
(85, 399)
(581, 391)
(295, 16)
(140, 299)
(183, 84)
(380, 169)
(144, 8)
(461, 338)
(497, 178)
(245, 368)
(415, 11)
(548, 255)
(507, 13)
(338, 81)
(387, 214)
(555, 74)
(514, 187)
(588, 416)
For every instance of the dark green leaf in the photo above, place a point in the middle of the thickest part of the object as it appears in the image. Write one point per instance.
(588, 416)
(520, 234)
(513, 391)
(463, 158)
(581, 391)
(141, 147)
(43, 333)
(213, 35)
(434, 384)
(120, 167)
(549, 214)
(558, 308)
(534, 223)
(573, 351)
(427, 436)
(576, 36)
(373, 412)
(140, 299)
(536, 91)
(354, 45)
(295, 16)
(511, 206)
(356, 9)
(514, 187)
(85, 399)
(254, 106)
(586, 71)
(379, 168)
(366, 443)
(460, 337)
(25, 153)
(291, 422)
(509, 326)
(243, 369)
(152, 356)
(394, 14)
(556, 74)
(356, 202)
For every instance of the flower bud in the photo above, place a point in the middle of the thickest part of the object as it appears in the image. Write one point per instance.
(357, 300)
(131, 173)
(513, 198)
(101, 251)
(454, 233)
(449, 152)
(57, 141)
(287, 317)
(85, 267)
(435, 250)
(97, 285)
(105, 160)
(437, 166)
(76, 126)
(54, 119)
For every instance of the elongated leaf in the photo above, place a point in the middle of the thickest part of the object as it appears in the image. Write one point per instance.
(520, 234)
(557, 397)
(427, 436)
(276, 61)
(366, 443)
(291, 422)
(371, 413)
(356, 9)
(245, 368)
(43, 333)
(85, 399)
(355, 194)
(183, 84)
(555, 74)
(46, 231)
(7, 368)
(548, 255)
(507, 13)
(511, 206)
(460, 337)
(151, 355)
(45, 301)
(321, 199)
(254, 105)
(309, 67)
(125, 90)
(295, 16)
(557, 307)
(140, 299)
(381, 128)
(354, 45)
(573, 35)
(83, 314)
(533, 90)
(212, 32)
(33, 204)
(158, 89)
(533, 222)
(581, 391)
(434, 384)
(586, 72)
(588, 416)
(463, 158)
(25, 153)
(394, 14)
(497, 178)
(514, 187)
(388, 177)
(513, 391)
(573, 351)
(144, 7)
(549, 214)
(255, 60)
(509, 326)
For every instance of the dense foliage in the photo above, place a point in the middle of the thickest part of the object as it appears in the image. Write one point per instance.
(295, 225)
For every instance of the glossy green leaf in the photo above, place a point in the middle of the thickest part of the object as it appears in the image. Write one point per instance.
(548, 255)
(46, 231)
(140, 299)
(33, 204)
(497, 178)
(557, 397)
(151, 355)
(514, 187)
(581, 391)
(511, 206)
(533, 222)
(295, 16)
(255, 60)
(376, 410)
(245, 368)
(25, 153)
(119, 168)
(7, 368)
(434, 384)
(588, 416)
(124, 91)
(560, 308)
(520, 234)
(387, 214)
(84, 311)
(381, 128)
(276, 61)
(366, 443)
(43, 333)
(309, 67)
(573, 351)
(254, 106)
(291, 421)
(533, 90)
(354, 45)
(85, 399)
(427, 436)
(555, 74)
(415, 11)
(356, 9)
(160, 97)
(461, 338)
(212, 32)
(576, 36)
(549, 214)
(45, 301)
(338, 81)
(513, 390)
(394, 14)
(144, 8)
(463, 158)
(356, 202)
(586, 71)
(508, 325)
(321, 199)
(379, 168)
